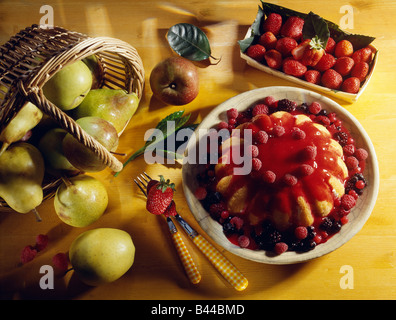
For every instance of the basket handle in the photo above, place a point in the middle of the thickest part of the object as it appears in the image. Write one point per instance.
(36, 96)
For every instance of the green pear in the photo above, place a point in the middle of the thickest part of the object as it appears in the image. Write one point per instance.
(21, 177)
(115, 106)
(96, 70)
(68, 87)
(50, 146)
(81, 156)
(102, 255)
(81, 200)
(26, 119)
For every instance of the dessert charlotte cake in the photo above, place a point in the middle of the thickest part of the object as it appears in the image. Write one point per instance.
(305, 178)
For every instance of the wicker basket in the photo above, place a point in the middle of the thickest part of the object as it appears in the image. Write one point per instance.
(35, 54)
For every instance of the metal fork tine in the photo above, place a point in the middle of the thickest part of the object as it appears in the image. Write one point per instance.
(140, 186)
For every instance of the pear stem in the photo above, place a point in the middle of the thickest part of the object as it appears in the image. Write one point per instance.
(66, 181)
(36, 213)
(118, 153)
(4, 147)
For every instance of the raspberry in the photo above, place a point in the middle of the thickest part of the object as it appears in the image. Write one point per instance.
(348, 201)
(222, 125)
(268, 40)
(285, 46)
(280, 247)
(273, 59)
(256, 164)
(290, 180)
(349, 149)
(344, 48)
(253, 150)
(306, 170)
(261, 136)
(269, 176)
(260, 109)
(314, 107)
(351, 162)
(243, 241)
(294, 68)
(61, 261)
(331, 79)
(344, 65)
(273, 23)
(200, 193)
(237, 222)
(301, 232)
(351, 85)
(298, 134)
(256, 52)
(41, 242)
(270, 101)
(323, 119)
(28, 254)
(312, 76)
(361, 154)
(232, 113)
(309, 152)
(325, 63)
(278, 131)
(360, 70)
(364, 54)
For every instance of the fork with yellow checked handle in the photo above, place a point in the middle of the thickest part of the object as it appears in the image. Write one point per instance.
(218, 260)
(188, 263)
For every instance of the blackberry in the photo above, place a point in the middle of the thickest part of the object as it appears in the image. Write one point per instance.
(286, 105)
(302, 108)
(341, 137)
(326, 224)
(228, 228)
(322, 112)
(351, 183)
(336, 227)
(211, 198)
(311, 232)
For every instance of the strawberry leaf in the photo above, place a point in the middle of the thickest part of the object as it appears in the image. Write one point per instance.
(179, 122)
(316, 27)
(189, 42)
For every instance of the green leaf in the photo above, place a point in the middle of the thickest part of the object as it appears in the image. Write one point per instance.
(189, 41)
(255, 31)
(179, 120)
(315, 27)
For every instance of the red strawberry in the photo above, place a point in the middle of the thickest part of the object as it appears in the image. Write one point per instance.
(298, 51)
(171, 210)
(273, 23)
(344, 65)
(285, 46)
(160, 196)
(312, 52)
(256, 52)
(268, 40)
(294, 68)
(293, 28)
(360, 70)
(331, 79)
(330, 46)
(326, 62)
(344, 48)
(351, 85)
(312, 76)
(364, 54)
(273, 59)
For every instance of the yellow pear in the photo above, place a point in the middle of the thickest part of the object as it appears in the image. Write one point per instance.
(26, 119)
(102, 255)
(21, 177)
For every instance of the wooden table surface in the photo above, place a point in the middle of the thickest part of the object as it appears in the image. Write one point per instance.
(157, 274)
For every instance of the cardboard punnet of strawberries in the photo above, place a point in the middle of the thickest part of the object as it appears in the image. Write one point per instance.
(309, 50)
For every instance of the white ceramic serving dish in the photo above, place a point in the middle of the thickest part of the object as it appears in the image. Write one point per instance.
(359, 214)
(350, 97)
